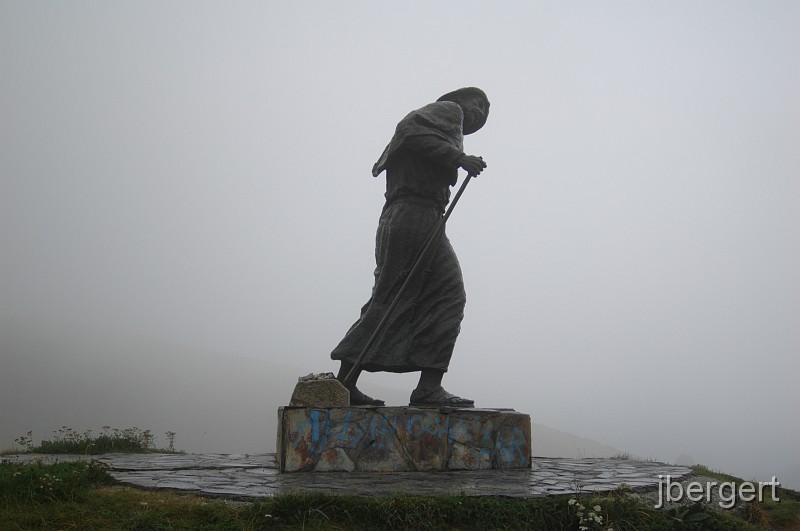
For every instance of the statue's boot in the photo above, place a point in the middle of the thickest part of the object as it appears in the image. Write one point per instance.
(438, 397)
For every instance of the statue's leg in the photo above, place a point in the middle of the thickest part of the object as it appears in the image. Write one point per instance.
(429, 379)
(357, 398)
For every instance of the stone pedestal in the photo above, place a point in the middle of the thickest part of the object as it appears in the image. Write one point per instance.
(392, 439)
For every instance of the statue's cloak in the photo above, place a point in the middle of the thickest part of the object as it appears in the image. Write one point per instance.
(421, 163)
(442, 119)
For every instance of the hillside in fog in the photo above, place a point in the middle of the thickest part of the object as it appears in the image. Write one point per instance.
(57, 375)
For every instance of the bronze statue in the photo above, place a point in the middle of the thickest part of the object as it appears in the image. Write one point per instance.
(421, 163)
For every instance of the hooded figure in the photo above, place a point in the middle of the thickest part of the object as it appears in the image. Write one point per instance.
(421, 163)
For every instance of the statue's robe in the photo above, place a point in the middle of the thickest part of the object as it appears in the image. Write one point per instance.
(421, 163)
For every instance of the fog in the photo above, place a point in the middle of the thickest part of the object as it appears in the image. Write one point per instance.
(198, 174)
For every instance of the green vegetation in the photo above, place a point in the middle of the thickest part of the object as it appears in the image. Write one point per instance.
(68, 441)
(782, 514)
(624, 456)
(702, 470)
(620, 510)
(82, 494)
(38, 483)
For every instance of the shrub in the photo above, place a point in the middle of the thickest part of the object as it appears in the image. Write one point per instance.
(69, 441)
(36, 482)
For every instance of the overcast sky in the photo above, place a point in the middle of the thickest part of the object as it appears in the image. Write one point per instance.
(200, 172)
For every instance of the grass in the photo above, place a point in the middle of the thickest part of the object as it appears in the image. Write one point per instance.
(624, 456)
(69, 441)
(38, 483)
(83, 495)
(781, 514)
(702, 470)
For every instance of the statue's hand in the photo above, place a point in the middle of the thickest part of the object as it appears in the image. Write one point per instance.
(472, 164)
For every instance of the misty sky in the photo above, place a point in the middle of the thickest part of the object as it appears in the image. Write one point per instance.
(200, 172)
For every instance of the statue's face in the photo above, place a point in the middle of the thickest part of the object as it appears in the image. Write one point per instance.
(476, 110)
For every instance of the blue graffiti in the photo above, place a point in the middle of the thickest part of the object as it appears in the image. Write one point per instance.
(320, 428)
(509, 447)
(342, 432)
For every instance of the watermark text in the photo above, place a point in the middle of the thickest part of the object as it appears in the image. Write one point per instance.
(728, 492)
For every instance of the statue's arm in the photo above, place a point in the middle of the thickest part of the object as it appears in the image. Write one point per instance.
(444, 153)
(435, 149)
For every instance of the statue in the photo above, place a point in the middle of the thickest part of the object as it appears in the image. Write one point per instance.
(421, 164)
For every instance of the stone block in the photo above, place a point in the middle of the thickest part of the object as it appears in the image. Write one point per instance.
(392, 439)
(320, 392)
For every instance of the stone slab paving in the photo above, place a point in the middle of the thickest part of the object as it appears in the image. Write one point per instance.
(255, 476)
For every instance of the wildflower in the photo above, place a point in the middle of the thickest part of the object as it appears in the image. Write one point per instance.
(572, 501)
(597, 508)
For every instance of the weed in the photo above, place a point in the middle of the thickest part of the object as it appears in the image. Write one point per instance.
(702, 470)
(35, 482)
(66, 440)
(66, 495)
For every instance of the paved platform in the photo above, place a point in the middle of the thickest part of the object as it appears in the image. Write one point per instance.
(255, 476)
